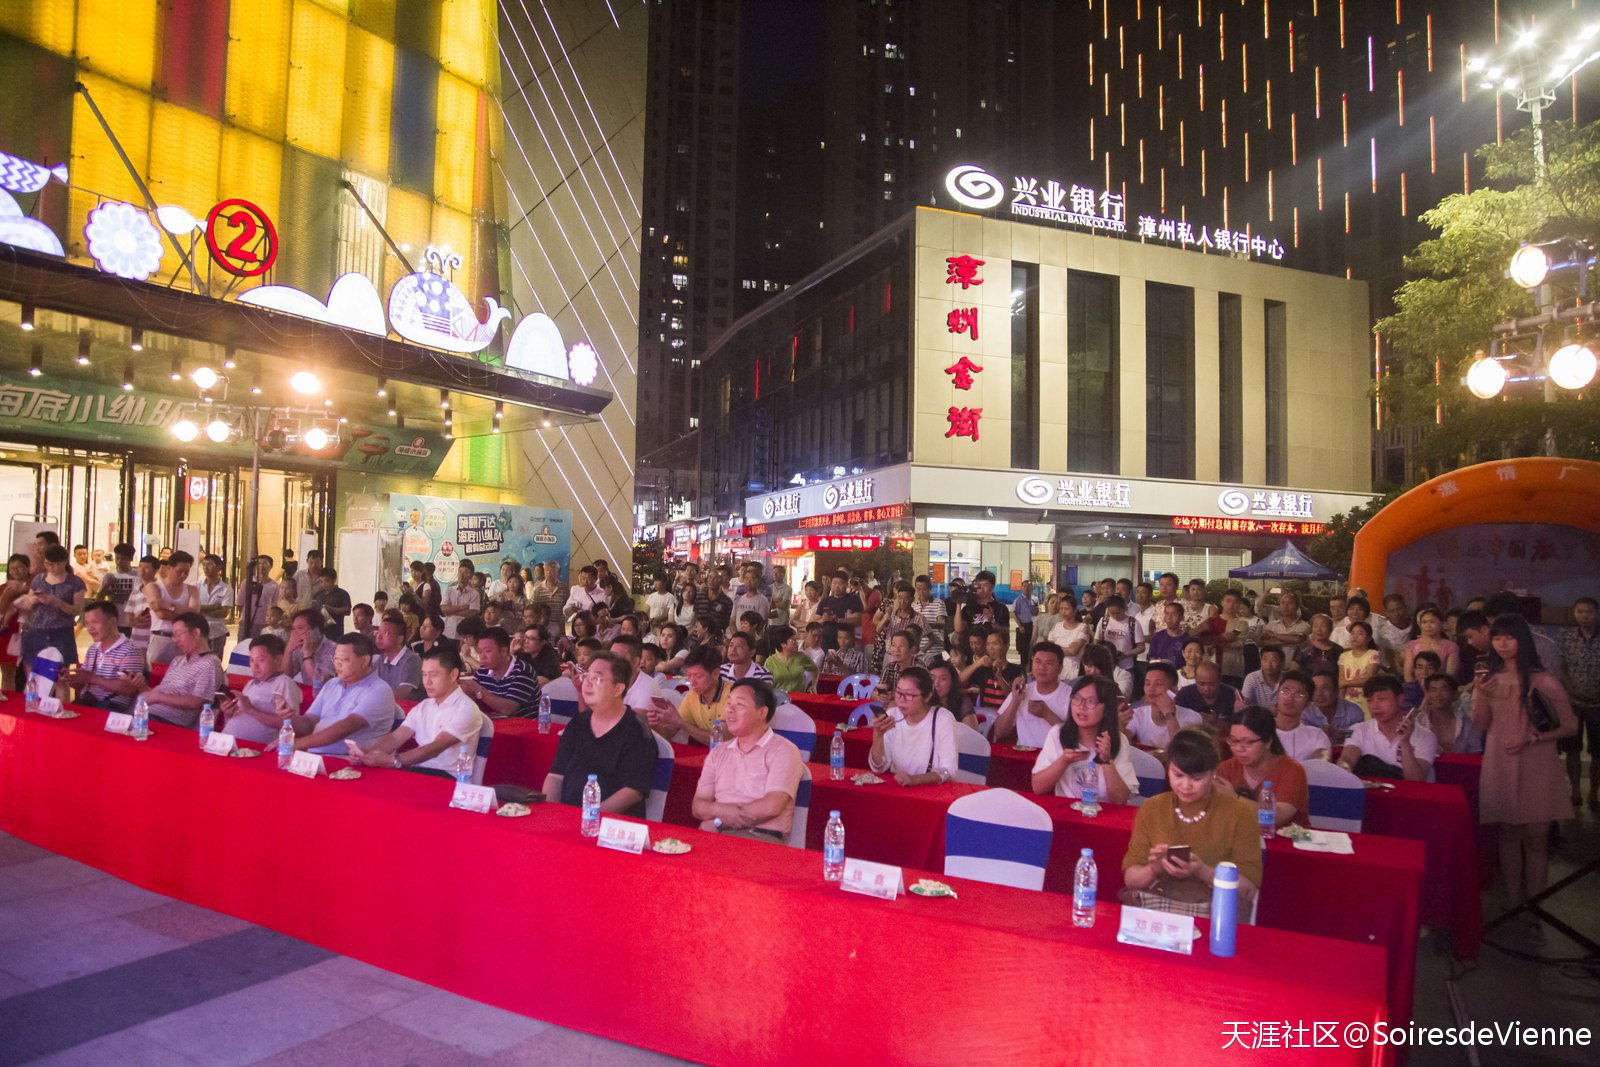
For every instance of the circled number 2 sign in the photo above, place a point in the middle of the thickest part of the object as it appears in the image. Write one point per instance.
(241, 238)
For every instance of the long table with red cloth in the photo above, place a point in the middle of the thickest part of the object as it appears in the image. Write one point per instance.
(699, 979)
(1439, 816)
(1368, 897)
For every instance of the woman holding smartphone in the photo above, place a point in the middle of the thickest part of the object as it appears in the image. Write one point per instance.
(915, 740)
(1089, 732)
(1523, 711)
(1180, 836)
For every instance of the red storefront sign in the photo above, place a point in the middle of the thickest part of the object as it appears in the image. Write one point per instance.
(885, 513)
(1207, 524)
(828, 543)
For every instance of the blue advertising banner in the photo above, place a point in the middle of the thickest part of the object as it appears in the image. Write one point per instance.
(443, 531)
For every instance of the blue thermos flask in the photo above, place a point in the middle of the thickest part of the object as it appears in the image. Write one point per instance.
(1224, 908)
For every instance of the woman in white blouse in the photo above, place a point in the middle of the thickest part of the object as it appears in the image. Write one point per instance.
(1090, 731)
(914, 740)
(1070, 634)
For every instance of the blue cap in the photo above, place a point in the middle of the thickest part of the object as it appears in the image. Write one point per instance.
(594, 778)
(833, 814)
(1086, 852)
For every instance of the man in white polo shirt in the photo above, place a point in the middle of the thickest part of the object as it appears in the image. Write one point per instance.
(1039, 706)
(1157, 719)
(1392, 738)
(439, 724)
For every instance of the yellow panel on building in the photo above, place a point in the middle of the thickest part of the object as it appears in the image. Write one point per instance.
(50, 26)
(464, 38)
(452, 230)
(374, 16)
(409, 220)
(185, 159)
(117, 38)
(316, 80)
(369, 86)
(258, 64)
(252, 168)
(454, 157)
(95, 166)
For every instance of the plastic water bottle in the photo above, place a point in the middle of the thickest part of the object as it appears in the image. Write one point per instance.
(1224, 908)
(1089, 788)
(833, 849)
(1267, 813)
(544, 714)
(30, 697)
(285, 744)
(717, 735)
(836, 754)
(463, 764)
(1085, 887)
(591, 807)
(208, 722)
(141, 720)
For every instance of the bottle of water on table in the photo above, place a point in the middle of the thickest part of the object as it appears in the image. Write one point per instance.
(836, 754)
(285, 744)
(208, 722)
(1085, 887)
(463, 766)
(591, 807)
(833, 849)
(30, 697)
(544, 714)
(1267, 813)
(141, 720)
(717, 734)
(1089, 787)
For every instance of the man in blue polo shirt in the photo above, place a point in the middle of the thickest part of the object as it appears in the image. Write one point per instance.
(354, 704)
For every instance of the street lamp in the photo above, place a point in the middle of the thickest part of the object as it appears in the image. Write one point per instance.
(1531, 68)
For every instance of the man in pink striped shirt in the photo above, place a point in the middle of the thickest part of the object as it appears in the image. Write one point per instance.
(749, 783)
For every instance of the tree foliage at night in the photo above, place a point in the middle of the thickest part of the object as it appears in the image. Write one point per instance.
(1457, 291)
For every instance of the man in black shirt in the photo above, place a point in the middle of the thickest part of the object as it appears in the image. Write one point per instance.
(711, 602)
(606, 740)
(981, 608)
(837, 607)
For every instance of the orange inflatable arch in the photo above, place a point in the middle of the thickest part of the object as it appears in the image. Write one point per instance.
(1553, 491)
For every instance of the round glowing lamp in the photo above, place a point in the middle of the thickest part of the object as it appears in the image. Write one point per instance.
(1530, 265)
(1573, 366)
(185, 430)
(305, 383)
(1486, 378)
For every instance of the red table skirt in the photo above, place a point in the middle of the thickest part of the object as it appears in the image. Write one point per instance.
(1439, 816)
(675, 983)
(826, 708)
(1309, 892)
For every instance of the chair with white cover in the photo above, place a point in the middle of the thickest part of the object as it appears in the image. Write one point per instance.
(858, 686)
(660, 780)
(563, 696)
(671, 694)
(1338, 799)
(46, 669)
(485, 740)
(972, 756)
(862, 715)
(239, 662)
(802, 810)
(790, 722)
(986, 722)
(1148, 770)
(997, 836)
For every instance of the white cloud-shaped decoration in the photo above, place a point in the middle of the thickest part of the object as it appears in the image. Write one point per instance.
(123, 241)
(536, 346)
(585, 365)
(18, 230)
(353, 303)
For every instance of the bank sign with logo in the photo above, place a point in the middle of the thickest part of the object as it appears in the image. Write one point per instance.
(869, 489)
(1086, 207)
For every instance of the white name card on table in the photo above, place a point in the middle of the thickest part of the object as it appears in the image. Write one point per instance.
(119, 722)
(50, 706)
(306, 764)
(872, 879)
(622, 835)
(1157, 929)
(478, 798)
(220, 744)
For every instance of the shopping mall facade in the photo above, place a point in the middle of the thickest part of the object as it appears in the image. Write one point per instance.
(203, 204)
(1053, 394)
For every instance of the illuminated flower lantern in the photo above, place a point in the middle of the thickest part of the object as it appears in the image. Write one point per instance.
(428, 309)
(124, 241)
(584, 363)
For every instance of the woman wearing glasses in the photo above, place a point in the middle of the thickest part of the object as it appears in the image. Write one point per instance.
(1258, 757)
(1089, 732)
(914, 740)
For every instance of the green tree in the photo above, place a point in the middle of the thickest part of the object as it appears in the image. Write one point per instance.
(1333, 546)
(1457, 291)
